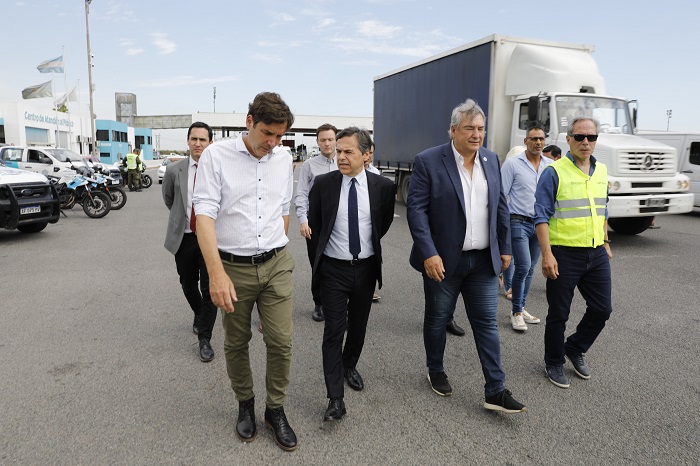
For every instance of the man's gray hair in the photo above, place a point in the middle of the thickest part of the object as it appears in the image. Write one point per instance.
(570, 129)
(364, 140)
(467, 109)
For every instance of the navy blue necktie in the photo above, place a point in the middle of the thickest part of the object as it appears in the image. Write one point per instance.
(353, 223)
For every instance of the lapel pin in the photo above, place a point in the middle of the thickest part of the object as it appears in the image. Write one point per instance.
(484, 159)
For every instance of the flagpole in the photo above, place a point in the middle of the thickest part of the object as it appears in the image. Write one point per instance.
(89, 57)
(80, 115)
(55, 110)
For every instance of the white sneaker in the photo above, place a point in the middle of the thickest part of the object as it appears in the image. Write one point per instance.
(516, 320)
(529, 318)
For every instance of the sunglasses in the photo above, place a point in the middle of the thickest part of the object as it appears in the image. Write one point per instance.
(581, 137)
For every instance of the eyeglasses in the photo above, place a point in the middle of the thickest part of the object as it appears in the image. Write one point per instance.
(581, 137)
(536, 139)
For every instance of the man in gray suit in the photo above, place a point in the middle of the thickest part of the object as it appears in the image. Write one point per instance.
(181, 239)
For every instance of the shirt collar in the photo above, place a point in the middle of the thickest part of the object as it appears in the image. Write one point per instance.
(571, 157)
(240, 147)
(192, 162)
(361, 178)
(460, 160)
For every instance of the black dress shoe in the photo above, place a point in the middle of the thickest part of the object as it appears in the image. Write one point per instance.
(245, 427)
(455, 329)
(284, 435)
(317, 314)
(206, 353)
(335, 410)
(354, 380)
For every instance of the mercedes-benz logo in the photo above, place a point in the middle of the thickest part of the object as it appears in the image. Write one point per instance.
(648, 162)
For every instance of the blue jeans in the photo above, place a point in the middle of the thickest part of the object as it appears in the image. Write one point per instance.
(589, 270)
(526, 253)
(475, 280)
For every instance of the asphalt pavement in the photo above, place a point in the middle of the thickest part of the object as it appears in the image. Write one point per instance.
(99, 365)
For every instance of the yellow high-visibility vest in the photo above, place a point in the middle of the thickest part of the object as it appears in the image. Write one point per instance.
(579, 208)
(131, 161)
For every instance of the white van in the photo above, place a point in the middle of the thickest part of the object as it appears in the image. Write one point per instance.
(687, 146)
(49, 161)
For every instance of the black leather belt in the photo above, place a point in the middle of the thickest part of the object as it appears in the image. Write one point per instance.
(351, 261)
(522, 217)
(253, 260)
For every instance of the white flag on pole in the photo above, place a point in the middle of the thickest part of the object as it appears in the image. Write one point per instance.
(38, 91)
(54, 65)
(72, 96)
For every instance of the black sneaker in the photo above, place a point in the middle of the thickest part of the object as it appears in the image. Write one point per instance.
(440, 385)
(504, 401)
(556, 376)
(579, 364)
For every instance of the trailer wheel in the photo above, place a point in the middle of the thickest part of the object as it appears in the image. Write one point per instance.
(630, 225)
(404, 181)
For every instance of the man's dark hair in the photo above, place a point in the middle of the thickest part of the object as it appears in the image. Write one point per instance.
(554, 149)
(364, 140)
(199, 124)
(269, 108)
(534, 128)
(326, 127)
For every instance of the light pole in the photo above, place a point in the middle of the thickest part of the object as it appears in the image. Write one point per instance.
(89, 56)
(668, 118)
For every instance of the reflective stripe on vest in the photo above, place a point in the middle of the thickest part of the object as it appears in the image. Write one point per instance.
(579, 210)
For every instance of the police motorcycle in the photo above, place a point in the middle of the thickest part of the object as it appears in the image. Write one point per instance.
(75, 189)
(109, 185)
(146, 180)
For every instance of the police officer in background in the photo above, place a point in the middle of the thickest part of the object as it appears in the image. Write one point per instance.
(132, 161)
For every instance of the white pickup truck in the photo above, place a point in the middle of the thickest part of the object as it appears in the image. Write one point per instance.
(28, 202)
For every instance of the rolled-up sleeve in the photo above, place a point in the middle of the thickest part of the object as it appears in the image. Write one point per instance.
(206, 198)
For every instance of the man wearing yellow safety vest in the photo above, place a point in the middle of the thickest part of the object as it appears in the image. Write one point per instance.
(571, 218)
(133, 166)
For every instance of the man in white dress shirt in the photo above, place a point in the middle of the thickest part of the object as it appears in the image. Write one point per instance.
(325, 138)
(242, 198)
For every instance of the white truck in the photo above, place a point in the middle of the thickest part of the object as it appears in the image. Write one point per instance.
(28, 202)
(687, 146)
(521, 82)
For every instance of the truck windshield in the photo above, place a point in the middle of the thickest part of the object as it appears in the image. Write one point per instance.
(65, 155)
(612, 114)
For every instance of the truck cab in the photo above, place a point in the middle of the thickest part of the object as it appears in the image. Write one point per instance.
(643, 174)
(28, 202)
(687, 146)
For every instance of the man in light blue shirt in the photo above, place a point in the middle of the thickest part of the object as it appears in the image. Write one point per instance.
(520, 175)
(319, 165)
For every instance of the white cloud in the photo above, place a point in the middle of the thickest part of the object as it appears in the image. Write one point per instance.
(283, 17)
(134, 51)
(383, 48)
(126, 42)
(373, 28)
(178, 81)
(325, 22)
(274, 59)
(165, 45)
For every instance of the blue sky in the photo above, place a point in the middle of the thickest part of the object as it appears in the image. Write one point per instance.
(322, 55)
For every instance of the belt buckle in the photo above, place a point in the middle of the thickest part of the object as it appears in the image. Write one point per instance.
(354, 261)
(254, 259)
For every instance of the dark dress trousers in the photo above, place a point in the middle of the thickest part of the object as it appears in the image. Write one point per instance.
(346, 289)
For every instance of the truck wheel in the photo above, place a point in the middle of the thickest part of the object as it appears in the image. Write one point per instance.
(630, 225)
(404, 181)
(32, 227)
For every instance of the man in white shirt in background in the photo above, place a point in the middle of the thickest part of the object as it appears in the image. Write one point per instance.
(310, 169)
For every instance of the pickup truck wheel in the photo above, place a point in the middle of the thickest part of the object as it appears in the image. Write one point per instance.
(32, 227)
(630, 225)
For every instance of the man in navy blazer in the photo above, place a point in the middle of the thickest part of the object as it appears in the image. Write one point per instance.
(348, 261)
(459, 221)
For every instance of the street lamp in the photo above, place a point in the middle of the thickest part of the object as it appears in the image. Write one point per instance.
(89, 56)
(668, 118)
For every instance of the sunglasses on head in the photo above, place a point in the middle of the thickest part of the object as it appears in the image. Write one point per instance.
(581, 137)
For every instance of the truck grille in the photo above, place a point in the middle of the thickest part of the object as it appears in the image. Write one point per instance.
(27, 191)
(643, 162)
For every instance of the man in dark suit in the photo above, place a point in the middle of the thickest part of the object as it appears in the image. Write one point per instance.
(459, 221)
(350, 210)
(180, 239)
